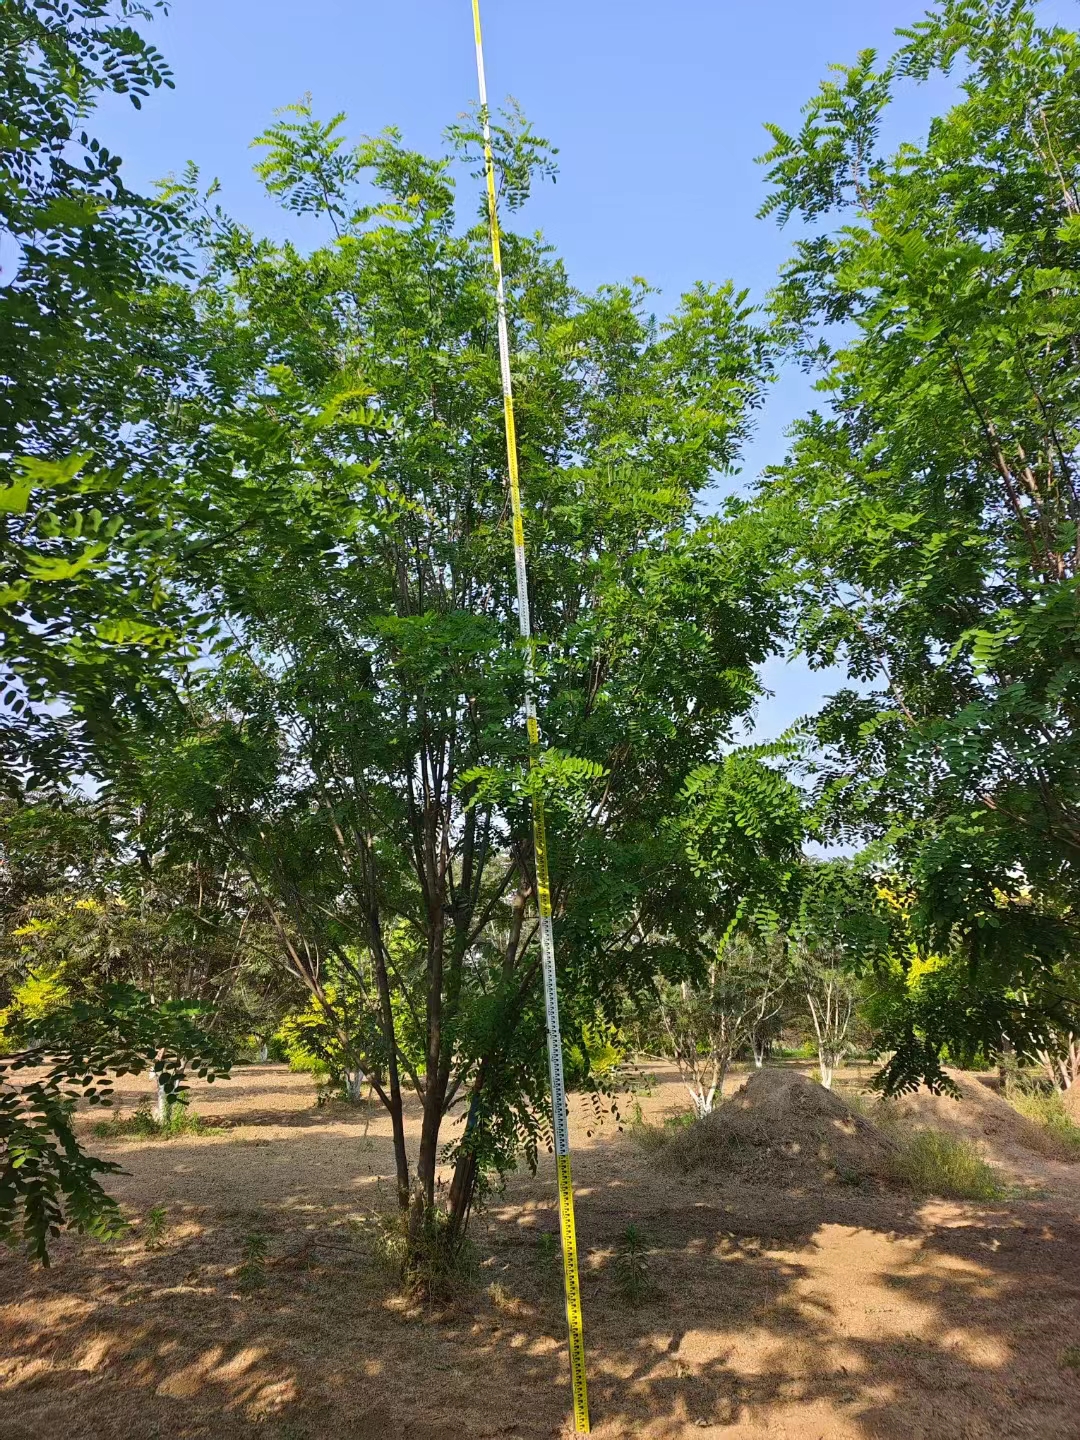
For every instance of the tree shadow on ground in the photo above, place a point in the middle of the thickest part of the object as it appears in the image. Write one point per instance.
(843, 1312)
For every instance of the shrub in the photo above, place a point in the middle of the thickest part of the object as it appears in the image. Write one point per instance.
(632, 1265)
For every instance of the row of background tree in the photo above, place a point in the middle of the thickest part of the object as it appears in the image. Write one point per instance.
(257, 593)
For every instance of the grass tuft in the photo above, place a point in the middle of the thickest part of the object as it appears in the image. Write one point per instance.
(1045, 1108)
(180, 1120)
(933, 1163)
(255, 1247)
(426, 1265)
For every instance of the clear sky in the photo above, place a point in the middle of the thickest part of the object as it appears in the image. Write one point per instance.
(657, 110)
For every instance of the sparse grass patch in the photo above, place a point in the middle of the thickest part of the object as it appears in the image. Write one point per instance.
(545, 1261)
(1045, 1108)
(933, 1163)
(1070, 1357)
(684, 1142)
(180, 1120)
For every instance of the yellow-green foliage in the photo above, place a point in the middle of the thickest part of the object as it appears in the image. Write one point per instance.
(300, 1034)
(42, 992)
(604, 1048)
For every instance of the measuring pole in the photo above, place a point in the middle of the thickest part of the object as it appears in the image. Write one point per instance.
(543, 885)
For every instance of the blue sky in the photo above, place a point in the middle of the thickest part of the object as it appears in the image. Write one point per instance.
(657, 110)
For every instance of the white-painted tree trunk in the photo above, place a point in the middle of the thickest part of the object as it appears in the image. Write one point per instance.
(354, 1081)
(161, 1099)
(264, 1053)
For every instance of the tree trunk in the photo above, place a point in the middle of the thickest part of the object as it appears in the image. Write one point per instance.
(386, 1015)
(161, 1100)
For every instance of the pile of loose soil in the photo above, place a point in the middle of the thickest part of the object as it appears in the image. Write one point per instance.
(782, 1128)
(983, 1116)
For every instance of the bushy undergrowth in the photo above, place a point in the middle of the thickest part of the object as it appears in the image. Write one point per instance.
(1045, 1108)
(427, 1266)
(179, 1121)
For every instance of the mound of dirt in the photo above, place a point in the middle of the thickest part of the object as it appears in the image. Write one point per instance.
(982, 1115)
(782, 1128)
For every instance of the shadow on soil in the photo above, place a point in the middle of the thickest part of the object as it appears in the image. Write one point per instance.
(844, 1312)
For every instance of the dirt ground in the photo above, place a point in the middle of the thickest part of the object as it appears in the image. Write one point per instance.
(827, 1312)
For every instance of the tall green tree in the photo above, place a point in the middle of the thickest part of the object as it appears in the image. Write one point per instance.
(356, 745)
(925, 525)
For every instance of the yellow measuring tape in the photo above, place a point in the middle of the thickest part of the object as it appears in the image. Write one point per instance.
(543, 884)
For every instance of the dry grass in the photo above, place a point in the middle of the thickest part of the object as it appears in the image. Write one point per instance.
(1058, 1135)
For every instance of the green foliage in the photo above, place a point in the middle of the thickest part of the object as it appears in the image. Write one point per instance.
(89, 322)
(924, 527)
(78, 909)
(153, 1227)
(632, 1265)
(331, 1038)
(355, 751)
(933, 1163)
(47, 1182)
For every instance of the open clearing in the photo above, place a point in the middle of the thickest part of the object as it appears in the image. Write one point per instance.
(839, 1311)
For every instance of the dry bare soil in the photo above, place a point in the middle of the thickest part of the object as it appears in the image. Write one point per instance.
(782, 1304)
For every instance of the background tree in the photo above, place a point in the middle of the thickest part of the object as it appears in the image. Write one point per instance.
(710, 1021)
(925, 527)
